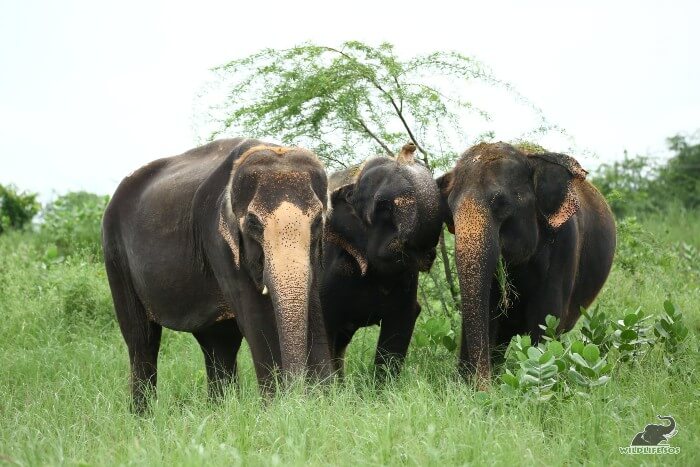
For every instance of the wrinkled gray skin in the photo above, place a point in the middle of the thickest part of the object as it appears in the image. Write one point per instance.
(382, 230)
(224, 242)
(653, 434)
(552, 228)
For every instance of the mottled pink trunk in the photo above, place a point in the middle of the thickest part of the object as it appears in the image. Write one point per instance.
(287, 242)
(476, 249)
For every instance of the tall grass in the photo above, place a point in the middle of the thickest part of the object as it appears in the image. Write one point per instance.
(64, 386)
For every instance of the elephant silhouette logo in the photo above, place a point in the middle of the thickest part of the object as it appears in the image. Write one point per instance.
(654, 438)
(653, 434)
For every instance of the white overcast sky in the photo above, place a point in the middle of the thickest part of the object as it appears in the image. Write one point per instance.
(90, 90)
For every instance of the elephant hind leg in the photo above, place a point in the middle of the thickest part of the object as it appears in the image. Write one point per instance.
(220, 344)
(142, 336)
(143, 355)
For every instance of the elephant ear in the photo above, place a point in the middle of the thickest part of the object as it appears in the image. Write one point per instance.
(445, 183)
(229, 231)
(555, 177)
(344, 228)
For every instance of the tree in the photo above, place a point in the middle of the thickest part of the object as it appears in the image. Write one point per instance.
(679, 179)
(16, 208)
(351, 102)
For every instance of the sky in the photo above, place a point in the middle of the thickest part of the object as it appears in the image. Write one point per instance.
(90, 91)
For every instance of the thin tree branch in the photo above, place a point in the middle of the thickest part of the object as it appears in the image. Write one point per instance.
(454, 293)
(389, 152)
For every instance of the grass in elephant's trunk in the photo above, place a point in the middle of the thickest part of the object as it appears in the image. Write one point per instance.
(507, 292)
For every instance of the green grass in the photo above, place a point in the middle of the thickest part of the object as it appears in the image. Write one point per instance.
(64, 387)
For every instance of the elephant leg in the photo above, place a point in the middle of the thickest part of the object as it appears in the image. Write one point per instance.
(143, 355)
(259, 327)
(340, 344)
(320, 361)
(220, 343)
(394, 338)
(548, 301)
(142, 337)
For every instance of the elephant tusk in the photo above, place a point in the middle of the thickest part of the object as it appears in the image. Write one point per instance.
(264, 290)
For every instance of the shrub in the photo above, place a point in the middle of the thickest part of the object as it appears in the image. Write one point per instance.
(72, 224)
(577, 361)
(16, 208)
(638, 185)
(85, 300)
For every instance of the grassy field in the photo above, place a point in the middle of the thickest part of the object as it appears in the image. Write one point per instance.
(64, 384)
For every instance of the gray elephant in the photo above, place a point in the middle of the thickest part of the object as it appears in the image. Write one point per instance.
(653, 434)
(223, 241)
(381, 231)
(553, 230)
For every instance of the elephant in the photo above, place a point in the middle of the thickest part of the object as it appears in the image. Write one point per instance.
(382, 228)
(223, 241)
(653, 435)
(553, 230)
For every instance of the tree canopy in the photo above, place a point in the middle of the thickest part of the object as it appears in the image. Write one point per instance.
(354, 101)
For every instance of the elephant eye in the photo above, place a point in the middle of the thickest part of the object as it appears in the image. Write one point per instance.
(253, 225)
(384, 206)
(317, 223)
(500, 204)
(383, 210)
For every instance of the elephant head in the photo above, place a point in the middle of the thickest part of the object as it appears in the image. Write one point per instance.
(272, 221)
(386, 214)
(497, 201)
(655, 434)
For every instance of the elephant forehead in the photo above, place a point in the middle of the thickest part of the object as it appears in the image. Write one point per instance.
(423, 185)
(288, 209)
(404, 200)
(288, 220)
(287, 239)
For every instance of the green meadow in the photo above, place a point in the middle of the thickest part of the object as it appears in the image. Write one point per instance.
(64, 382)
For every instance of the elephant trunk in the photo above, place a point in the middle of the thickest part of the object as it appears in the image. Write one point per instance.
(477, 251)
(288, 276)
(291, 310)
(671, 427)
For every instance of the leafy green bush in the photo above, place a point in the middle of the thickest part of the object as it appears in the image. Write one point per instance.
(636, 248)
(85, 301)
(17, 208)
(576, 361)
(679, 179)
(639, 185)
(434, 332)
(72, 223)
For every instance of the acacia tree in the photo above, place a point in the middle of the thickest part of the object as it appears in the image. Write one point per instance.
(355, 101)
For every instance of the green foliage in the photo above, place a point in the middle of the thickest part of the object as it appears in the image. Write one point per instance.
(632, 335)
(639, 185)
(84, 303)
(627, 184)
(17, 208)
(435, 331)
(679, 179)
(72, 223)
(66, 384)
(637, 251)
(553, 367)
(576, 361)
(355, 101)
(670, 329)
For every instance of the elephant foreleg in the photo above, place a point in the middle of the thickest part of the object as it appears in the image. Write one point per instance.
(320, 361)
(220, 343)
(394, 338)
(341, 339)
(259, 327)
